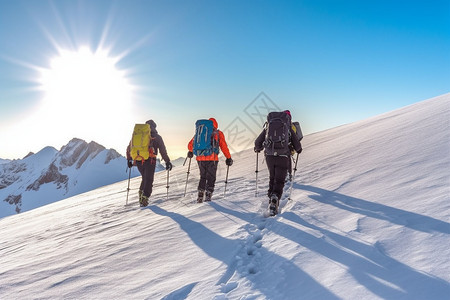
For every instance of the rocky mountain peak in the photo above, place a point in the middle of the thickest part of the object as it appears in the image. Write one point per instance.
(78, 151)
(28, 155)
(78, 166)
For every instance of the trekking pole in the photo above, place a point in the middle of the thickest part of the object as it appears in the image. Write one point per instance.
(128, 188)
(167, 186)
(187, 176)
(256, 190)
(226, 181)
(295, 167)
(293, 177)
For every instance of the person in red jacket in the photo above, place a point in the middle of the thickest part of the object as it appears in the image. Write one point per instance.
(208, 164)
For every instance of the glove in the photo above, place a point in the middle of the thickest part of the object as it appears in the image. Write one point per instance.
(130, 163)
(229, 161)
(190, 154)
(257, 150)
(169, 166)
(300, 151)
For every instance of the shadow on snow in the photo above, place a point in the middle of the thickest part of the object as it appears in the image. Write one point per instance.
(224, 249)
(375, 210)
(379, 273)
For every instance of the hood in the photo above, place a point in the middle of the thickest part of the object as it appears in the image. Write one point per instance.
(151, 123)
(152, 126)
(214, 123)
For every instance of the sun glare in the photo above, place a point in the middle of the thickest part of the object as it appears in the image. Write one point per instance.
(84, 91)
(85, 78)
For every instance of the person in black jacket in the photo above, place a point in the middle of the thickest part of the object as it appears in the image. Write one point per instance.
(147, 168)
(277, 164)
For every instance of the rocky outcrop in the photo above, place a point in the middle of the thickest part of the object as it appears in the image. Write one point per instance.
(78, 152)
(10, 173)
(71, 152)
(29, 154)
(15, 200)
(50, 175)
(91, 150)
(112, 154)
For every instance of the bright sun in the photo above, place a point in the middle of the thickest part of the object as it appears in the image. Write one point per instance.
(85, 78)
(84, 91)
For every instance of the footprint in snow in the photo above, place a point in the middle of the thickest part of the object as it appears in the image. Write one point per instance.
(228, 287)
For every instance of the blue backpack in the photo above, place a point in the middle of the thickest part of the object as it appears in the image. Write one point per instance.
(205, 138)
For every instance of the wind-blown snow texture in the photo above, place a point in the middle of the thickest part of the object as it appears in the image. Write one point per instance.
(368, 219)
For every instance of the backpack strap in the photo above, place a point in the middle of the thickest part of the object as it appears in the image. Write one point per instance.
(151, 149)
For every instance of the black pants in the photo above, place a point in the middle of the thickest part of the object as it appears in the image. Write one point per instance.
(278, 168)
(147, 170)
(208, 170)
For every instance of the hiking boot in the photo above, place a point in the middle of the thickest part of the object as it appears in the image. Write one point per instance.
(273, 206)
(140, 193)
(201, 193)
(208, 196)
(143, 201)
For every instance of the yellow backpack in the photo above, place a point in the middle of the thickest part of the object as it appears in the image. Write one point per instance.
(140, 142)
(298, 133)
(297, 130)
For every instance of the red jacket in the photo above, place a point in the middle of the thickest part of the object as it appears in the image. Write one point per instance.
(222, 144)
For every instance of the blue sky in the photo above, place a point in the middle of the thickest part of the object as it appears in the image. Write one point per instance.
(329, 62)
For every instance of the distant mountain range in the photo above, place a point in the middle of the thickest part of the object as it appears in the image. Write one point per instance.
(51, 175)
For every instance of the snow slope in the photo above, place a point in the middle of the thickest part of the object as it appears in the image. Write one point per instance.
(368, 219)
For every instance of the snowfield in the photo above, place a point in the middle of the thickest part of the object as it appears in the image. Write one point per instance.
(368, 219)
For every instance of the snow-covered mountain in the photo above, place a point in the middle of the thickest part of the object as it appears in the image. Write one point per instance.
(51, 175)
(368, 219)
(179, 161)
(4, 161)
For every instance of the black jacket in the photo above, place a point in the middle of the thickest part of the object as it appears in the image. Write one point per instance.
(158, 143)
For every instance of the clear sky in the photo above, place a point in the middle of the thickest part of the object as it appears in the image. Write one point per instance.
(91, 69)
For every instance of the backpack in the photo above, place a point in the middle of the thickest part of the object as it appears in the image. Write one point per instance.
(140, 142)
(277, 134)
(205, 138)
(297, 130)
